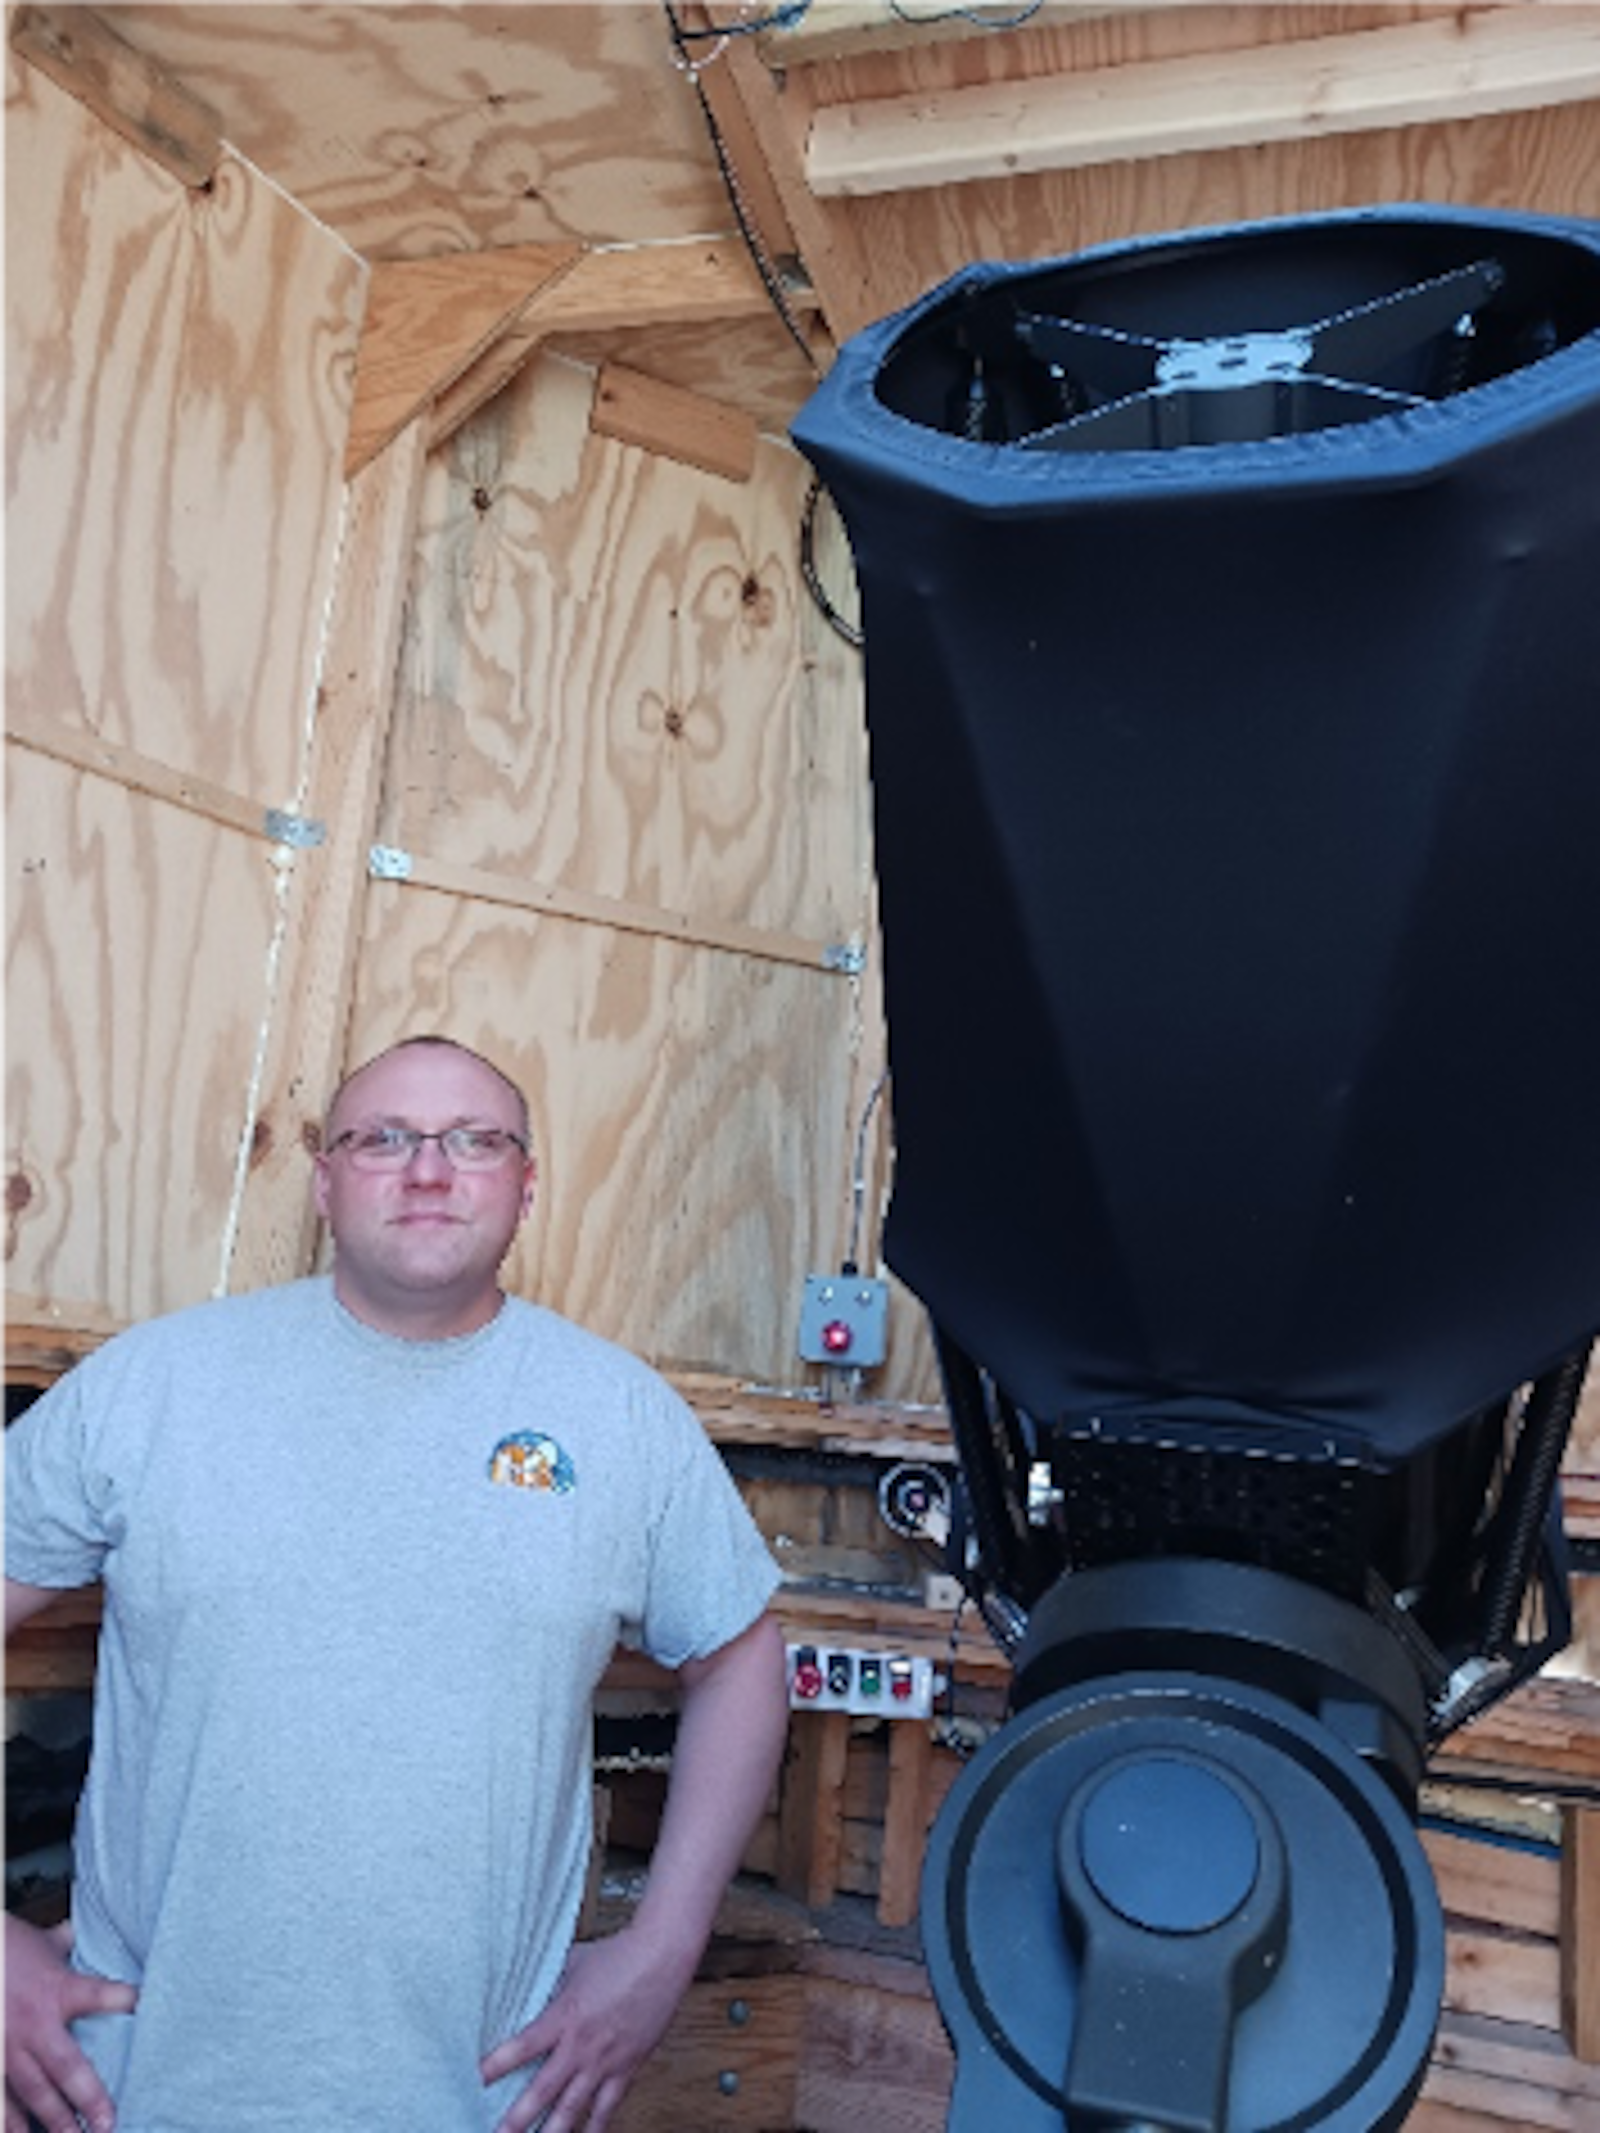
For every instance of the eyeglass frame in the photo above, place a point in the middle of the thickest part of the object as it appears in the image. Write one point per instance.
(413, 1137)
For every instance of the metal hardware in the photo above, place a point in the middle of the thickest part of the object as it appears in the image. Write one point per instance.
(386, 862)
(844, 1320)
(301, 831)
(845, 957)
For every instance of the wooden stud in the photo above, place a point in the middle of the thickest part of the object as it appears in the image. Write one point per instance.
(1469, 64)
(428, 321)
(657, 284)
(780, 114)
(750, 175)
(273, 1225)
(676, 424)
(1580, 1930)
(84, 55)
(810, 1824)
(905, 1821)
(623, 287)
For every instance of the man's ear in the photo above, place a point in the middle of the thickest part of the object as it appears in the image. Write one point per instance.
(319, 1184)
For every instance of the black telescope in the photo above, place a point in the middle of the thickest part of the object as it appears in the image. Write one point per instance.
(1231, 604)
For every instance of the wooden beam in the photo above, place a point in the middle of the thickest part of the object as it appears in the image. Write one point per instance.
(810, 1823)
(45, 1338)
(732, 1414)
(273, 1225)
(906, 1816)
(1467, 65)
(673, 422)
(780, 116)
(416, 870)
(428, 320)
(848, 29)
(1580, 1931)
(605, 291)
(84, 55)
(747, 171)
(85, 750)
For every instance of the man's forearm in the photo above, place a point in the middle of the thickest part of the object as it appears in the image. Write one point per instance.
(731, 1732)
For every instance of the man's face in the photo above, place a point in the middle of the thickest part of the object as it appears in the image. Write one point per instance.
(417, 1250)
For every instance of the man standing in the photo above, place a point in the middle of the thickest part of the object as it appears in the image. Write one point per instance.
(367, 1545)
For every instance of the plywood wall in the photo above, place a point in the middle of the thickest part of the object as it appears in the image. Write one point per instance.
(177, 379)
(878, 251)
(627, 776)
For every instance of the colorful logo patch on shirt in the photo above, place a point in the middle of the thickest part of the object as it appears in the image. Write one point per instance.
(531, 1461)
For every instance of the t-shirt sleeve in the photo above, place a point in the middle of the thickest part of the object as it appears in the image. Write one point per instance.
(711, 1573)
(58, 1531)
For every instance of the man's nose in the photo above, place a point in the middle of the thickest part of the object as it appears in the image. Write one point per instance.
(430, 1165)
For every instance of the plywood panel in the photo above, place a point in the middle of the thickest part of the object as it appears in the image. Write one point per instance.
(136, 953)
(413, 130)
(745, 361)
(688, 1144)
(614, 683)
(1064, 40)
(177, 381)
(1544, 160)
(608, 680)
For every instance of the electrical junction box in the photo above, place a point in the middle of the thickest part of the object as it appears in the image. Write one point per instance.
(844, 1320)
(838, 1677)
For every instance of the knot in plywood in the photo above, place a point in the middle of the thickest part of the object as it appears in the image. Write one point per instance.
(18, 1195)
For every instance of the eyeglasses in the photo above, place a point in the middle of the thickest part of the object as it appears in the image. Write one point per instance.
(395, 1147)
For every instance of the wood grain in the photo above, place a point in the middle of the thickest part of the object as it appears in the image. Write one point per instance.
(428, 322)
(412, 131)
(127, 1097)
(1468, 65)
(81, 51)
(177, 385)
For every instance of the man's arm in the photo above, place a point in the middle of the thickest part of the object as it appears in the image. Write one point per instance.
(18, 1602)
(46, 2072)
(618, 1995)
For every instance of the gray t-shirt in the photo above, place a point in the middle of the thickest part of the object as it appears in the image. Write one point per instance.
(358, 1593)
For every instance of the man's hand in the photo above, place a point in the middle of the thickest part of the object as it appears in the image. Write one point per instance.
(609, 2012)
(46, 2073)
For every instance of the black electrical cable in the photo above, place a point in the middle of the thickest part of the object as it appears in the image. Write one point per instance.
(845, 628)
(770, 280)
(781, 18)
(681, 40)
(967, 14)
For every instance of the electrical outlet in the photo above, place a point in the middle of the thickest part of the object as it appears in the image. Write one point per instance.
(844, 1320)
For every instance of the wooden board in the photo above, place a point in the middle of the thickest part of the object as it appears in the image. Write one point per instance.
(613, 678)
(674, 1198)
(412, 130)
(1547, 160)
(1462, 65)
(177, 384)
(727, 2062)
(613, 686)
(132, 1021)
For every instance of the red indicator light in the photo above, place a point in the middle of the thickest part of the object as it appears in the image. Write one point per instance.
(837, 1337)
(807, 1677)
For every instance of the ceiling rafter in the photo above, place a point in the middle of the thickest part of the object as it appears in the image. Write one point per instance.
(1473, 63)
